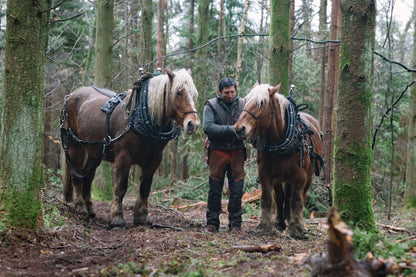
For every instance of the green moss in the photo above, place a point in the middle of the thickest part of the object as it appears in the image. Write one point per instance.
(411, 202)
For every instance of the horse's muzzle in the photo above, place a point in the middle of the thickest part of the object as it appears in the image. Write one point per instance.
(191, 127)
(241, 132)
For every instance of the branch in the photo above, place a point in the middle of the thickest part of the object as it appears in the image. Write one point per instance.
(66, 19)
(388, 111)
(394, 62)
(54, 7)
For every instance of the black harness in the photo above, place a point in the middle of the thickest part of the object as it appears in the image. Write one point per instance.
(141, 120)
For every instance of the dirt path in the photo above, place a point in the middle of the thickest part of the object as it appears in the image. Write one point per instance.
(183, 248)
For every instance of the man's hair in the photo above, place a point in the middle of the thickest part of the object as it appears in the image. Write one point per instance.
(227, 82)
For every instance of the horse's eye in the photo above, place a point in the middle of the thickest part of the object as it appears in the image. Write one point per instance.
(179, 93)
(261, 103)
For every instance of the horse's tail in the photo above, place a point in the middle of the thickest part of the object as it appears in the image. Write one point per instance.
(66, 179)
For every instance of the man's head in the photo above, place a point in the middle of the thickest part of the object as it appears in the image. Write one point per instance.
(228, 89)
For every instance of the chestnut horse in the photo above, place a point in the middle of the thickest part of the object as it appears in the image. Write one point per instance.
(285, 169)
(88, 137)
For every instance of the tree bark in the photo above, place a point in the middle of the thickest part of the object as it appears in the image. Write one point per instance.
(352, 163)
(410, 194)
(160, 44)
(21, 171)
(201, 65)
(104, 43)
(260, 59)
(331, 94)
(146, 34)
(291, 32)
(322, 35)
(103, 72)
(191, 31)
(220, 23)
(240, 43)
(279, 44)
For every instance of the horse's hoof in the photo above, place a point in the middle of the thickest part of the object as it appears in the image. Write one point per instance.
(280, 226)
(82, 212)
(298, 236)
(118, 223)
(141, 221)
(91, 213)
(297, 233)
(264, 230)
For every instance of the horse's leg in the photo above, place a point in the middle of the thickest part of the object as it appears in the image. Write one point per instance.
(287, 195)
(121, 170)
(140, 208)
(279, 195)
(266, 206)
(77, 156)
(86, 186)
(295, 228)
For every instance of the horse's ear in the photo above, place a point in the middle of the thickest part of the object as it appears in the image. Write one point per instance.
(189, 70)
(274, 89)
(255, 84)
(170, 74)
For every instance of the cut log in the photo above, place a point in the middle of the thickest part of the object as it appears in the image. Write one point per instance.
(263, 248)
(340, 258)
(252, 197)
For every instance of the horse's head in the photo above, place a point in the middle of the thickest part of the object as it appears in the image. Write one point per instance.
(178, 102)
(261, 106)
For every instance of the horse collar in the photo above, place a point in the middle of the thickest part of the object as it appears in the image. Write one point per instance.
(293, 140)
(141, 120)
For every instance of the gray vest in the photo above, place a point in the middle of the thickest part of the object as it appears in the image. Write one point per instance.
(223, 115)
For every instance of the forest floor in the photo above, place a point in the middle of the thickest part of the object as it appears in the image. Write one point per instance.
(176, 244)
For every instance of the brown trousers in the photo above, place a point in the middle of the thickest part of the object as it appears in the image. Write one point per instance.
(219, 159)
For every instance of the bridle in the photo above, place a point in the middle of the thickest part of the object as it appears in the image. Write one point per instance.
(185, 112)
(261, 116)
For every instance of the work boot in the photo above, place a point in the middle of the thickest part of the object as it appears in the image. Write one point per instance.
(210, 228)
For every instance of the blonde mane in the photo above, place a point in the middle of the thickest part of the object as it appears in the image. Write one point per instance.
(260, 94)
(159, 102)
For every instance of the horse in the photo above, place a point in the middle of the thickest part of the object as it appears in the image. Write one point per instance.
(89, 137)
(285, 166)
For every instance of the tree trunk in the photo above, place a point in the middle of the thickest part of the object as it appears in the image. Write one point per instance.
(21, 175)
(291, 32)
(240, 43)
(191, 31)
(330, 95)
(279, 44)
(146, 45)
(352, 164)
(201, 81)
(102, 184)
(260, 58)
(104, 43)
(220, 23)
(410, 195)
(135, 27)
(322, 36)
(307, 26)
(160, 44)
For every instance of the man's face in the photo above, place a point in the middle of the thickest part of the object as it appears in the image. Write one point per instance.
(228, 94)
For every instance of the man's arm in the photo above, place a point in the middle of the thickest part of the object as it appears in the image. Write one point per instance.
(215, 131)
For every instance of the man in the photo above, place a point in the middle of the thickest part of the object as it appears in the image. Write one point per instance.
(226, 154)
